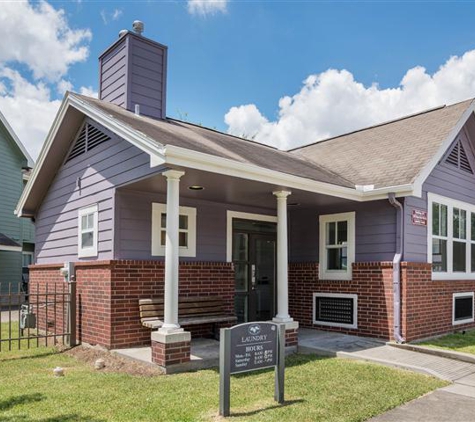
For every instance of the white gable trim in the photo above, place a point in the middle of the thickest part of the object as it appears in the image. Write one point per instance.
(427, 170)
(70, 100)
(15, 138)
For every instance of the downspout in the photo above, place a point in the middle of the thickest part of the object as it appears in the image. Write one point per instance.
(397, 267)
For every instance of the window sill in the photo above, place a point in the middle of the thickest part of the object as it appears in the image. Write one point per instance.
(335, 276)
(452, 277)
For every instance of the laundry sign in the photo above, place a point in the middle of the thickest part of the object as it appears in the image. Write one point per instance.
(249, 347)
(419, 217)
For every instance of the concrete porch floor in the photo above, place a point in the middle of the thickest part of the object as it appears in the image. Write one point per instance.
(204, 354)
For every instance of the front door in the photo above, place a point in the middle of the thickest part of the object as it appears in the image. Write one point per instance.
(254, 257)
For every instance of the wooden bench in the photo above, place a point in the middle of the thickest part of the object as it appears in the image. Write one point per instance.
(193, 310)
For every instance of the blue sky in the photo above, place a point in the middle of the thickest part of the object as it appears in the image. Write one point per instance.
(256, 52)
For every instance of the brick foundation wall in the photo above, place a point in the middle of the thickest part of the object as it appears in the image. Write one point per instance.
(291, 337)
(372, 282)
(108, 294)
(427, 304)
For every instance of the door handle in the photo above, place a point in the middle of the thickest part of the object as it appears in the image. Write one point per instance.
(253, 277)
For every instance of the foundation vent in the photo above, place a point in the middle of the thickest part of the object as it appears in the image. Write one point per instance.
(463, 308)
(336, 310)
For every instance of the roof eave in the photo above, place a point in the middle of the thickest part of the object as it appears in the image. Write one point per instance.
(197, 160)
(70, 100)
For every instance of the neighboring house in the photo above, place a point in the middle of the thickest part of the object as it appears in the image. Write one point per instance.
(369, 233)
(16, 236)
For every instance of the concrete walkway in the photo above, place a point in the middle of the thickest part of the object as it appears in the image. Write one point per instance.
(454, 403)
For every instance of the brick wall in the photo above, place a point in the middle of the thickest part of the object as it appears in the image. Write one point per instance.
(108, 294)
(372, 282)
(427, 304)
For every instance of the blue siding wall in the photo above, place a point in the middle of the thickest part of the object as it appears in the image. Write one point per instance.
(375, 227)
(444, 180)
(100, 170)
(134, 228)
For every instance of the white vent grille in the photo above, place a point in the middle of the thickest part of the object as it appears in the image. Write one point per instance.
(89, 138)
(458, 158)
(336, 310)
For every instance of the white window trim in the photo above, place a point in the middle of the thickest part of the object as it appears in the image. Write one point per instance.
(462, 321)
(157, 248)
(450, 203)
(324, 273)
(230, 215)
(92, 251)
(335, 324)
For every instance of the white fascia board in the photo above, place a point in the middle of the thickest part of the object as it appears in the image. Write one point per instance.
(136, 138)
(10, 248)
(20, 145)
(206, 162)
(427, 170)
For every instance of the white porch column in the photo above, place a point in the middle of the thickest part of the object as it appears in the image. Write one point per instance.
(171, 252)
(282, 258)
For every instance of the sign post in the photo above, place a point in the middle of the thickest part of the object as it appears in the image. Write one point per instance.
(249, 347)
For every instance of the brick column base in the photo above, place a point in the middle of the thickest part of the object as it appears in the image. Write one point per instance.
(291, 336)
(171, 348)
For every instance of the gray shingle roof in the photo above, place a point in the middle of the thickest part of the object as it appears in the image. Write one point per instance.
(208, 141)
(389, 154)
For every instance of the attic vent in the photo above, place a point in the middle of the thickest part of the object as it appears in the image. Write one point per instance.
(89, 138)
(458, 158)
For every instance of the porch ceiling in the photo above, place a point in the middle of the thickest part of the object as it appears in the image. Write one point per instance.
(233, 190)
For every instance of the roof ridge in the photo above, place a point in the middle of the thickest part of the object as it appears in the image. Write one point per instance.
(387, 122)
(224, 133)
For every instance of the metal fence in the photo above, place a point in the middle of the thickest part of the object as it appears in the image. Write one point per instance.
(42, 314)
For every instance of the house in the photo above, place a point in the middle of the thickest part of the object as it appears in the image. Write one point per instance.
(16, 236)
(370, 233)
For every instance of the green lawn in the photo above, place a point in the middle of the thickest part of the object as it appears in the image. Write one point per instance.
(317, 389)
(458, 342)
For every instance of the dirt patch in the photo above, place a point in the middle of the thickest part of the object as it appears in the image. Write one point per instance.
(113, 363)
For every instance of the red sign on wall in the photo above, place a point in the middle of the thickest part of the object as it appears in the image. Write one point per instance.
(419, 217)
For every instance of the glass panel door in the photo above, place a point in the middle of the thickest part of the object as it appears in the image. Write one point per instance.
(254, 258)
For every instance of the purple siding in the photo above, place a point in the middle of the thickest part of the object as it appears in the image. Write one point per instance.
(375, 227)
(134, 225)
(133, 71)
(445, 180)
(111, 164)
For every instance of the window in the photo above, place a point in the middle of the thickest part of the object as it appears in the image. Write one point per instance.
(87, 231)
(451, 238)
(186, 230)
(335, 310)
(462, 308)
(27, 259)
(337, 246)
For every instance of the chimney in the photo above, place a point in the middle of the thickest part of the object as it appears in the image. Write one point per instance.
(133, 72)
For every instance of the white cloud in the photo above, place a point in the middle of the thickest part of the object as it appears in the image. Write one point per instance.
(88, 91)
(333, 102)
(28, 108)
(39, 37)
(110, 16)
(38, 47)
(207, 7)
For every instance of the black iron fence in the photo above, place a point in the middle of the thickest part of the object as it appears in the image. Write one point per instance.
(43, 314)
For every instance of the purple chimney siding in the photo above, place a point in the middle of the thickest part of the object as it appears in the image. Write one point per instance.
(134, 71)
(444, 180)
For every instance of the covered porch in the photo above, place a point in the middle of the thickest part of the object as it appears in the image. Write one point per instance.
(185, 216)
